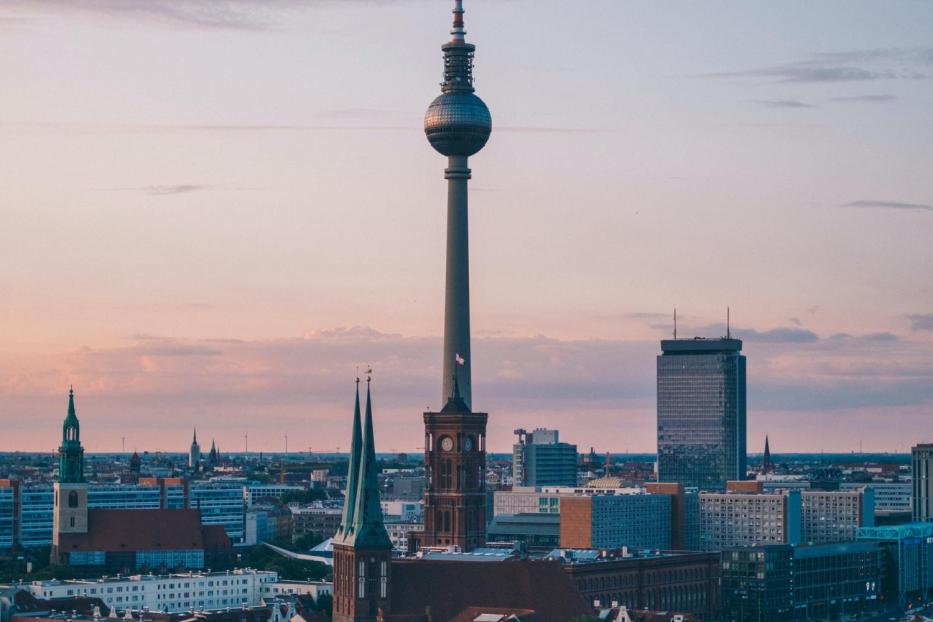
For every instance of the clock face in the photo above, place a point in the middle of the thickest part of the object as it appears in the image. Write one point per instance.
(447, 443)
(468, 443)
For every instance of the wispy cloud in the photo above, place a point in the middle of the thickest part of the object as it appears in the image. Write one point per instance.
(776, 335)
(210, 14)
(543, 129)
(889, 205)
(336, 125)
(162, 190)
(782, 103)
(921, 321)
(306, 383)
(849, 66)
(650, 315)
(865, 99)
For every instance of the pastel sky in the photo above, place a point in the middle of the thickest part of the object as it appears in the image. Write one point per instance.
(212, 212)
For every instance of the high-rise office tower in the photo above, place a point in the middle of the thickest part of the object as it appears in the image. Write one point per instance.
(457, 125)
(540, 459)
(922, 462)
(701, 412)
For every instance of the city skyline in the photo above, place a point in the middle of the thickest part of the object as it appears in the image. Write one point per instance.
(205, 259)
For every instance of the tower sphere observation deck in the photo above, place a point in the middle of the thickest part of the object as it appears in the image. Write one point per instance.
(458, 123)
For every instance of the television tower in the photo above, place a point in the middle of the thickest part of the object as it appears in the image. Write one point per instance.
(457, 125)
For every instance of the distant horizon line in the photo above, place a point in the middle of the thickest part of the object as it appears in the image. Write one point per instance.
(418, 452)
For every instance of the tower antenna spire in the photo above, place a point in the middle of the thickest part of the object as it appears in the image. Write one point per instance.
(675, 323)
(458, 32)
(728, 327)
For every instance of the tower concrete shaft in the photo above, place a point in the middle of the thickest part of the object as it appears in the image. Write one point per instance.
(457, 124)
(457, 356)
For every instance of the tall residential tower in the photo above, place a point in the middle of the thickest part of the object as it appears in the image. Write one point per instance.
(701, 412)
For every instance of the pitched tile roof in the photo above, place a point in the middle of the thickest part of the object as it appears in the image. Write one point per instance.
(139, 530)
(450, 588)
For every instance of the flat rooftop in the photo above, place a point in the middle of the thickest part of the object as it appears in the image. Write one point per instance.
(700, 345)
(153, 577)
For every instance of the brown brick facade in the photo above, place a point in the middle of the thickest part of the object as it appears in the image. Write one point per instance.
(576, 522)
(686, 582)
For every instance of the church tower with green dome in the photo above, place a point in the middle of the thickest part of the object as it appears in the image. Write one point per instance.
(70, 500)
(71, 454)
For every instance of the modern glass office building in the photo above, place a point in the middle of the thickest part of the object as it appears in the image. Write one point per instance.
(921, 459)
(701, 412)
(7, 516)
(222, 503)
(776, 583)
(35, 528)
(540, 459)
(909, 549)
(26, 512)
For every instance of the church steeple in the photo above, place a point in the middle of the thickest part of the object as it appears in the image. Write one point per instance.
(70, 453)
(362, 549)
(194, 454)
(766, 461)
(368, 529)
(349, 501)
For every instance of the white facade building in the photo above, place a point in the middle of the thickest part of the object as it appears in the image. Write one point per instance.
(403, 511)
(314, 589)
(889, 496)
(168, 593)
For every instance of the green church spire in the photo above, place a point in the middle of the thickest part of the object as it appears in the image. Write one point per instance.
(368, 529)
(349, 501)
(71, 454)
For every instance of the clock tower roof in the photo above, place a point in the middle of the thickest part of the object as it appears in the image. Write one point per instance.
(455, 403)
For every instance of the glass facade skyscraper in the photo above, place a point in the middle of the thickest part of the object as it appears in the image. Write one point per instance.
(701, 412)
(540, 459)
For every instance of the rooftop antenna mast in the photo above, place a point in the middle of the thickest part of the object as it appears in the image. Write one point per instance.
(675, 323)
(728, 327)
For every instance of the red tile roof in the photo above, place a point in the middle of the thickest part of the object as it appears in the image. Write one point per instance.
(215, 537)
(138, 530)
(450, 588)
(471, 613)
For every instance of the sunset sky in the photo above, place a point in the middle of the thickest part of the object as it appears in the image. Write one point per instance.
(212, 212)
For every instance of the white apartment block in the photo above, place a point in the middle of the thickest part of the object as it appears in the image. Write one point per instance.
(835, 516)
(168, 593)
(889, 496)
(730, 519)
(314, 589)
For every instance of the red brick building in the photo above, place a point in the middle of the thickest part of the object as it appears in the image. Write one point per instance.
(659, 582)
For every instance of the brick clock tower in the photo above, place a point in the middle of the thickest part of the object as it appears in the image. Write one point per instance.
(362, 549)
(455, 465)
